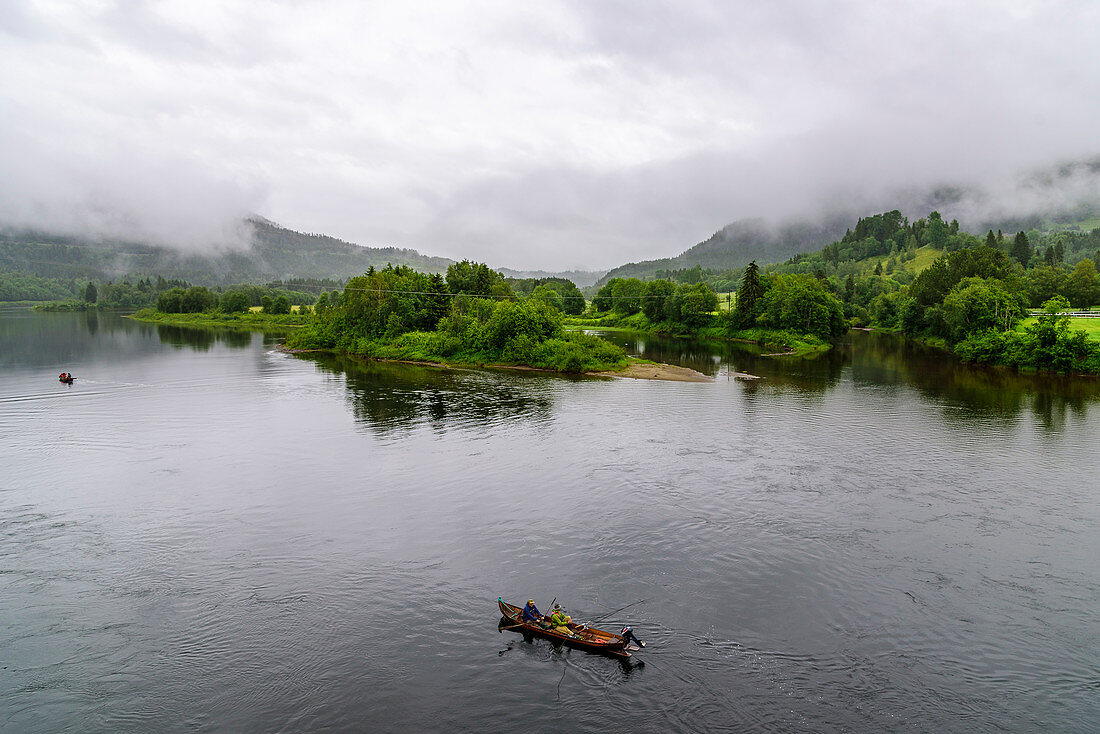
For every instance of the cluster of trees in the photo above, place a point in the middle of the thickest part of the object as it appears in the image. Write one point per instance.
(84, 294)
(22, 287)
(1047, 344)
(662, 301)
(166, 294)
(559, 293)
(792, 302)
(195, 299)
(784, 302)
(471, 315)
(391, 301)
(200, 299)
(1063, 247)
(974, 299)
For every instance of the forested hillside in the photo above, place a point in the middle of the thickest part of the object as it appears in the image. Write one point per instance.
(738, 244)
(275, 253)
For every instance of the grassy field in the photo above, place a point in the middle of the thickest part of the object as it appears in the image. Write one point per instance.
(1085, 225)
(250, 320)
(259, 309)
(1089, 326)
(925, 256)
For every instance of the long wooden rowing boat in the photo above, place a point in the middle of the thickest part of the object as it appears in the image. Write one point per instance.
(581, 637)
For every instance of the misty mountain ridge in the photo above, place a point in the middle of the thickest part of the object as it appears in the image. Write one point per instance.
(1053, 196)
(1059, 195)
(273, 253)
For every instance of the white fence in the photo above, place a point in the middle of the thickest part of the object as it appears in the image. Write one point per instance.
(1074, 314)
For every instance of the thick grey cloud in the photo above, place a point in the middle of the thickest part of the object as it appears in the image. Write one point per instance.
(562, 134)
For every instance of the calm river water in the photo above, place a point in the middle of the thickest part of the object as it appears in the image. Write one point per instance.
(204, 534)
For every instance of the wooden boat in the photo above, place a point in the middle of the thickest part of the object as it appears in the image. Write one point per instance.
(66, 378)
(581, 637)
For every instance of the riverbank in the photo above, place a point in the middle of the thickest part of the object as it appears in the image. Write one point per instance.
(634, 368)
(776, 343)
(245, 320)
(1024, 350)
(643, 370)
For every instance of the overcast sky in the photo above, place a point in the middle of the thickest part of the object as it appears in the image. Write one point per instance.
(530, 135)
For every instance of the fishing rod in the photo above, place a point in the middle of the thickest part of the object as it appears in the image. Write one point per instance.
(628, 606)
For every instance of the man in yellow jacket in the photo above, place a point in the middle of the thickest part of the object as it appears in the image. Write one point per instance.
(559, 622)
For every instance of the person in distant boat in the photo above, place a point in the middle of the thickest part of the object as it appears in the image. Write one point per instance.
(628, 635)
(531, 613)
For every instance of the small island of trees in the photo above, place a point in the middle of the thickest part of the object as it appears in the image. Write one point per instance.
(470, 317)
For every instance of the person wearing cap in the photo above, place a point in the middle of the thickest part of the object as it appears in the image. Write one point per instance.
(531, 613)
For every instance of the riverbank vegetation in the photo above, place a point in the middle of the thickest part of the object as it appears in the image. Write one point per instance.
(786, 313)
(972, 297)
(473, 317)
(167, 296)
(927, 278)
(242, 320)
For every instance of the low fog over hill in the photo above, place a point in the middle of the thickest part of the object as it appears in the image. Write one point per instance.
(1050, 196)
(272, 253)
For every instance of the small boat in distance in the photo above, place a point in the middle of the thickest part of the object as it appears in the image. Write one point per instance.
(66, 377)
(580, 636)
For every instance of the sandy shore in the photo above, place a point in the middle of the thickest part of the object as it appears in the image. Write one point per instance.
(647, 371)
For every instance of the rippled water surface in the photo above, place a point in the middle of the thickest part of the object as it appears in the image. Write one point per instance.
(204, 534)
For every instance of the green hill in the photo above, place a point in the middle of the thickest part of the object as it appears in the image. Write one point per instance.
(276, 253)
(737, 244)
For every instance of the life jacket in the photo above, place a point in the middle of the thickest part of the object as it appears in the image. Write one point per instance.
(558, 619)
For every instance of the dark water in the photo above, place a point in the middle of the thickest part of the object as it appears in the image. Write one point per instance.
(203, 534)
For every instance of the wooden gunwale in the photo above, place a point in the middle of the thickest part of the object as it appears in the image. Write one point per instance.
(592, 639)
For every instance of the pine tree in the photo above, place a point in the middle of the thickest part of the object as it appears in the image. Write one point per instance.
(1021, 249)
(750, 292)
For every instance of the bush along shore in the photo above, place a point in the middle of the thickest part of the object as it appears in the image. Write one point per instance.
(241, 320)
(470, 318)
(787, 314)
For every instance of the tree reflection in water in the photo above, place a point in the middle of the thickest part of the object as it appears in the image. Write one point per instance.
(202, 339)
(388, 397)
(973, 391)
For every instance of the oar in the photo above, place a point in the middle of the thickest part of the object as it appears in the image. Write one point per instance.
(628, 606)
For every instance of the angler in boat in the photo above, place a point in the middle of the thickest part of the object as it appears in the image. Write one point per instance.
(559, 621)
(532, 614)
(562, 629)
(66, 377)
